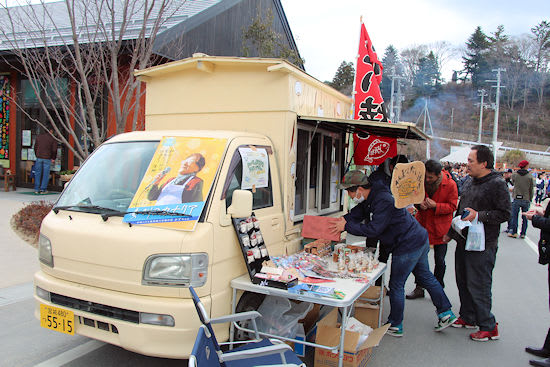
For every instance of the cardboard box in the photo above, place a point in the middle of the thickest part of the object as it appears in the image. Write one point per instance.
(367, 311)
(311, 318)
(368, 315)
(373, 292)
(328, 333)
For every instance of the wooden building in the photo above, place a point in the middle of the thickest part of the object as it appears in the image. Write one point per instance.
(213, 27)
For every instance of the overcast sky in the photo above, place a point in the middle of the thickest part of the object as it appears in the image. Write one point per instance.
(327, 31)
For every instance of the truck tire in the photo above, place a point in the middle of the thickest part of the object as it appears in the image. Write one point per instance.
(249, 302)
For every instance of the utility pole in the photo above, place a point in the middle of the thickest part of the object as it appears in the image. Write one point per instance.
(426, 114)
(452, 118)
(497, 102)
(399, 101)
(393, 116)
(517, 127)
(482, 94)
(391, 96)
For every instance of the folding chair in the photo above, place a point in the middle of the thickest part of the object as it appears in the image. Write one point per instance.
(207, 352)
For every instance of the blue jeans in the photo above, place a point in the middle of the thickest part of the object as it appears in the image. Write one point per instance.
(41, 174)
(516, 205)
(401, 267)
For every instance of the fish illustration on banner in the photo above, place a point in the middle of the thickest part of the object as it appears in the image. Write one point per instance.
(174, 189)
(369, 105)
(373, 150)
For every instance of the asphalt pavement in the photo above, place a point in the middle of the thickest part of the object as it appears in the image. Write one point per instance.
(520, 305)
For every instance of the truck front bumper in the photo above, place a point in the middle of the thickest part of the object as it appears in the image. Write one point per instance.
(152, 340)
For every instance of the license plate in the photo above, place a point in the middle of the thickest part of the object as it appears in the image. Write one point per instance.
(58, 319)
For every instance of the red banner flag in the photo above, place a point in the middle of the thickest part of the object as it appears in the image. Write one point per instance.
(369, 105)
(372, 150)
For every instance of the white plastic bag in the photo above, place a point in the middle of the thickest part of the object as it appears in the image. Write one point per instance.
(476, 236)
(280, 316)
(458, 224)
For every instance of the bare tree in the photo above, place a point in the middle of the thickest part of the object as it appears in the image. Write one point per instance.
(78, 59)
(541, 39)
(444, 52)
(410, 58)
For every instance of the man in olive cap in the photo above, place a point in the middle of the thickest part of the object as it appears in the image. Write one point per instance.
(376, 216)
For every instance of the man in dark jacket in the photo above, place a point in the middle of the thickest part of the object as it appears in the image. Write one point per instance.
(399, 234)
(522, 197)
(486, 198)
(542, 220)
(45, 149)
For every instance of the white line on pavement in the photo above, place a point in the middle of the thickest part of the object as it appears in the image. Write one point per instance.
(71, 354)
(532, 245)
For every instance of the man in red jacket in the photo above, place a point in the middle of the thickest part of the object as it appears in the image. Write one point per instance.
(435, 214)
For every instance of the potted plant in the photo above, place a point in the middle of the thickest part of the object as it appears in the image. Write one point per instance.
(66, 175)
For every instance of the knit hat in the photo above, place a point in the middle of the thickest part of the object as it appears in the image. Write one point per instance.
(353, 178)
(523, 164)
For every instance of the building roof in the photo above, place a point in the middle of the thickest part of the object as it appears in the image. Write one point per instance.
(226, 20)
(48, 24)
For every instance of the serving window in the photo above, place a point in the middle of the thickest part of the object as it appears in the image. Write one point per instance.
(318, 171)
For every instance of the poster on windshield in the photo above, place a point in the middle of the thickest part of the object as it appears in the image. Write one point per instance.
(174, 189)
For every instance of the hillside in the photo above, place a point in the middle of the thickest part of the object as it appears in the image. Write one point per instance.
(455, 110)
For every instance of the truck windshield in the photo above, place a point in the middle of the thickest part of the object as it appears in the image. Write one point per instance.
(109, 178)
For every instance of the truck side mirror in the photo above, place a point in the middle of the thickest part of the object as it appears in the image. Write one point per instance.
(241, 204)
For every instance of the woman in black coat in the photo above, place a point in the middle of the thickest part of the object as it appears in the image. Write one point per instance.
(542, 220)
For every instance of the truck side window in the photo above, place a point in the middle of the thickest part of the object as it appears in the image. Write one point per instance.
(317, 171)
(262, 198)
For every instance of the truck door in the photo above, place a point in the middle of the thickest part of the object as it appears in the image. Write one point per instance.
(266, 203)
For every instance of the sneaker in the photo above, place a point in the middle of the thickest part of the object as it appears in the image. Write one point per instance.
(513, 235)
(521, 236)
(37, 192)
(483, 336)
(396, 331)
(446, 319)
(462, 323)
(44, 192)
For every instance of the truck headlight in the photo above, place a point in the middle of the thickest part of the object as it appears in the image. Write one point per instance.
(45, 250)
(176, 270)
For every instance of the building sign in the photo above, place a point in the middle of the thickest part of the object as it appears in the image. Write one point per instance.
(4, 117)
(174, 189)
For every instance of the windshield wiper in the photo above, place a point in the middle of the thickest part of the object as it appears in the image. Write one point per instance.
(56, 209)
(115, 213)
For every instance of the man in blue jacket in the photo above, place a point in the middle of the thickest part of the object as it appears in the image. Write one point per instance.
(376, 216)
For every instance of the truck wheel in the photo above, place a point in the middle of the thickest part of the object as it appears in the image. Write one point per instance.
(249, 302)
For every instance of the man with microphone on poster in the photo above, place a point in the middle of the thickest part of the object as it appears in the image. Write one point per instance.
(184, 188)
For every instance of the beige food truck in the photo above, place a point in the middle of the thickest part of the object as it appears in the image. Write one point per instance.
(127, 284)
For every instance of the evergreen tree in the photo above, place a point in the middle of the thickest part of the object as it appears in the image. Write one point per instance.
(392, 67)
(476, 65)
(343, 79)
(427, 80)
(498, 45)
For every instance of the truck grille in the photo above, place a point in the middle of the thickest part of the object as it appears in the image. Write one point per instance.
(96, 308)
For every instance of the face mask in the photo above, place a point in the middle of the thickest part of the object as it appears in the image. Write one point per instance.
(358, 200)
